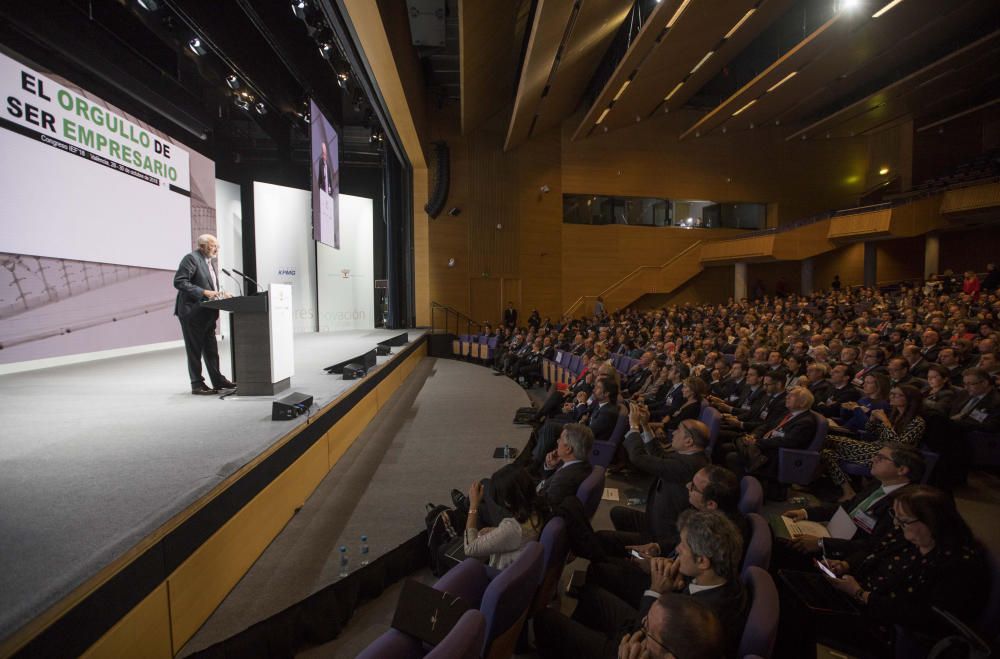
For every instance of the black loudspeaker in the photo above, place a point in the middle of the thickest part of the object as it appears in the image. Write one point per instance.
(442, 171)
(398, 340)
(382, 350)
(354, 371)
(368, 359)
(291, 406)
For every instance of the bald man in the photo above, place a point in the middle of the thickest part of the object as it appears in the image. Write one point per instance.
(197, 279)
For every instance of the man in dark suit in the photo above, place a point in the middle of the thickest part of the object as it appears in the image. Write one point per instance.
(601, 418)
(510, 316)
(793, 429)
(977, 409)
(564, 469)
(705, 569)
(196, 280)
(894, 469)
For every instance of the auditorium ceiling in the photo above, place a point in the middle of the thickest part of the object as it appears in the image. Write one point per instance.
(816, 69)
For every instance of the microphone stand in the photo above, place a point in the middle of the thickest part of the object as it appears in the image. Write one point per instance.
(230, 275)
(245, 276)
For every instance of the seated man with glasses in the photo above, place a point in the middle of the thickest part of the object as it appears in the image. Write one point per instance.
(706, 569)
(895, 469)
(677, 627)
(978, 407)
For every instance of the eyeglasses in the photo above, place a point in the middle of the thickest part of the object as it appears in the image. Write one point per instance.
(878, 457)
(649, 636)
(691, 488)
(901, 522)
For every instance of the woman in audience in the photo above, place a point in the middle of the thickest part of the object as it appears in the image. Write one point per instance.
(939, 393)
(854, 415)
(693, 390)
(902, 424)
(515, 491)
(930, 559)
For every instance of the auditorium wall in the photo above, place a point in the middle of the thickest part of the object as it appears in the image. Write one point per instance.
(847, 261)
(971, 249)
(510, 230)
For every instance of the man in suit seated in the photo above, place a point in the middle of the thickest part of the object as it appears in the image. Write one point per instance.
(564, 469)
(601, 418)
(795, 429)
(841, 391)
(894, 468)
(706, 569)
(977, 408)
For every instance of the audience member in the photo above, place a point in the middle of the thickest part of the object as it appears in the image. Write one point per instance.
(514, 490)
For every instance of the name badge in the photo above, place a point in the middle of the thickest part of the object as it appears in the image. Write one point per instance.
(734, 397)
(779, 432)
(864, 521)
(763, 413)
(978, 415)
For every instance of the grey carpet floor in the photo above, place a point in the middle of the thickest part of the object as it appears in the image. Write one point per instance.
(438, 432)
(95, 456)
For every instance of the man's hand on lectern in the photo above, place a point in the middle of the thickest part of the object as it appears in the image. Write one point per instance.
(211, 295)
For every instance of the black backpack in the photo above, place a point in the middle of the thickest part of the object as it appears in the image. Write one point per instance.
(444, 538)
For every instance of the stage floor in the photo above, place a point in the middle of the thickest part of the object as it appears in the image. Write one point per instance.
(96, 456)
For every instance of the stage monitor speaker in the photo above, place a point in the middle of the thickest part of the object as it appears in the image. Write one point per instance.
(291, 406)
(368, 359)
(355, 371)
(398, 340)
(382, 350)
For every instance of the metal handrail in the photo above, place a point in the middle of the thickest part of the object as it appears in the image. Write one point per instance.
(460, 319)
(621, 281)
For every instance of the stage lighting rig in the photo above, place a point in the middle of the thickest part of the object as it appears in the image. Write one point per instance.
(148, 5)
(326, 50)
(300, 9)
(197, 46)
(260, 108)
(233, 81)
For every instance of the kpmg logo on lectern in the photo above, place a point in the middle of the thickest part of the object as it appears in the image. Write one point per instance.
(286, 272)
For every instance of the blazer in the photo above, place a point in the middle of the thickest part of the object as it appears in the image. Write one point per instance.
(862, 543)
(668, 495)
(602, 421)
(191, 280)
(987, 410)
(751, 404)
(729, 602)
(769, 416)
(563, 482)
(830, 406)
(797, 432)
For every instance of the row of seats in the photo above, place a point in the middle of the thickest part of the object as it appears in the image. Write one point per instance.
(472, 346)
(501, 602)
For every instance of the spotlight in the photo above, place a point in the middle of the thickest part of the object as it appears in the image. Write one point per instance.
(197, 47)
(306, 117)
(149, 5)
(883, 171)
(241, 103)
(343, 78)
(299, 8)
(260, 108)
(233, 81)
(545, 189)
(326, 49)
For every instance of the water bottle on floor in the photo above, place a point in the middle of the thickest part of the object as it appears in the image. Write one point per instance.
(506, 453)
(345, 566)
(364, 550)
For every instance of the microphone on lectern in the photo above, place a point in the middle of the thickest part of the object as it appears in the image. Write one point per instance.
(230, 275)
(245, 276)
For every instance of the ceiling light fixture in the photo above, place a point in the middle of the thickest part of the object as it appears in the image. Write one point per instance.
(883, 171)
(603, 114)
(241, 103)
(886, 8)
(148, 5)
(677, 14)
(299, 9)
(326, 50)
(745, 107)
(260, 108)
(738, 25)
(703, 60)
(849, 5)
(233, 81)
(674, 90)
(782, 81)
(622, 90)
(197, 47)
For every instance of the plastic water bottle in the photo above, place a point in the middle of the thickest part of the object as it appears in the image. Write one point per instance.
(345, 566)
(364, 550)
(506, 453)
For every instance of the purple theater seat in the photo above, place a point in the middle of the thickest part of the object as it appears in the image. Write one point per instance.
(761, 628)
(713, 419)
(801, 466)
(464, 641)
(555, 547)
(591, 489)
(759, 552)
(751, 495)
(468, 580)
(506, 600)
(393, 644)
(603, 453)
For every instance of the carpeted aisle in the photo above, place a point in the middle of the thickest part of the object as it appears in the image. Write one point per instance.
(438, 432)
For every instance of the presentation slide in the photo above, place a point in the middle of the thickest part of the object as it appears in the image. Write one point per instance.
(325, 180)
(98, 209)
(83, 182)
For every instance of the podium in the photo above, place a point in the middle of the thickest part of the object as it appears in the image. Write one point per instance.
(262, 349)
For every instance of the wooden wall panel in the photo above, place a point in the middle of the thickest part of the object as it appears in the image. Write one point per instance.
(486, 301)
(491, 199)
(713, 285)
(421, 250)
(788, 272)
(847, 261)
(962, 250)
(540, 224)
(487, 52)
(899, 259)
